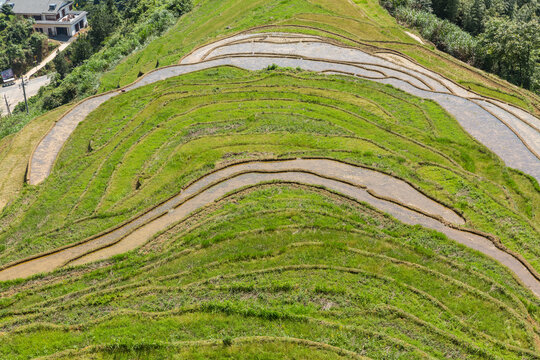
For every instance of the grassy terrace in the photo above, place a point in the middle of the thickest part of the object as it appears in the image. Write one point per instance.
(311, 272)
(363, 21)
(277, 260)
(360, 20)
(142, 147)
(278, 270)
(15, 151)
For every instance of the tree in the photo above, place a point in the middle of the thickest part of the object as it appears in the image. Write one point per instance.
(423, 5)
(446, 9)
(180, 7)
(13, 52)
(61, 65)
(37, 43)
(4, 22)
(474, 21)
(81, 50)
(7, 10)
(18, 30)
(103, 22)
(511, 49)
(496, 8)
(527, 12)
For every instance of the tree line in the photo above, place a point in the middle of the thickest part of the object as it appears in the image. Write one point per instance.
(499, 36)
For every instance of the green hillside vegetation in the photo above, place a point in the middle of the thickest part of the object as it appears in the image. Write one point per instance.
(279, 270)
(163, 137)
(278, 260)
(21, 47)
(15, 151)
(500, 36)
(362, 21)
(77, 70)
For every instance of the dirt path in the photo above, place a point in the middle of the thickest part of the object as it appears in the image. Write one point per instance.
(383, 192)
(415, 37)
(511, 133)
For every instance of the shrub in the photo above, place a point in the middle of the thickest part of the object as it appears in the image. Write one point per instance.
(446, 36)
(180, 7)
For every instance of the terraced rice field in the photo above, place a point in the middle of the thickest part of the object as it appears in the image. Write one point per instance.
(513, 134)
(247, 254)
(286, 192)
(241, 267)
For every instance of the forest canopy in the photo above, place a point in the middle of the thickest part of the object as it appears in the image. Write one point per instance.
(499, 36)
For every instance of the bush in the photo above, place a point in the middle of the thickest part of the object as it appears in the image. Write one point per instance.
(446, 36)
(81, 50)
(180, 7)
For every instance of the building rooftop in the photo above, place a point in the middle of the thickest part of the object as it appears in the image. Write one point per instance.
(36, 6)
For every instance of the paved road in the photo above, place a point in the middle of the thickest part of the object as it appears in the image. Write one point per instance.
(14, 93)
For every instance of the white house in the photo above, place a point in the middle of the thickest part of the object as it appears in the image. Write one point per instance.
(52, 17)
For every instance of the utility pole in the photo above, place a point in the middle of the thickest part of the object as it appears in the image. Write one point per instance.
(7, 105)
(24, 92)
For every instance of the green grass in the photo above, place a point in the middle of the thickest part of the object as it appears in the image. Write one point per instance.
(15, 152)
(495, 93)
(365, 21)
(165, 135)
(278, 261)
(245, 348)
(276, 270)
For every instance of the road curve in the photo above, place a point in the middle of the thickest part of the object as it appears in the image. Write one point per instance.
(510, 132)
(400, 200)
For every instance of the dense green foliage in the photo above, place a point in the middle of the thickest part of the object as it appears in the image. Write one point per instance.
(447, 36)
(446, 9)
(21, 47)
(502, 37)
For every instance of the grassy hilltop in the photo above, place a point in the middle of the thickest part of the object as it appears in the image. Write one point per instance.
(277, 270)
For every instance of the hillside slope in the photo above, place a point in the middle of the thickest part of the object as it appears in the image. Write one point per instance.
(147, 144)
(275, 213)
